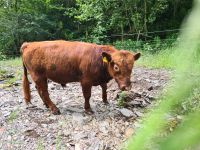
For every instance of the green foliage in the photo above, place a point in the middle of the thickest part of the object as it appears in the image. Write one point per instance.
(99, 21)
(186, 80)
(161, 59)
(151, 47)
(30, 20)
(2, 72)
(191, 104)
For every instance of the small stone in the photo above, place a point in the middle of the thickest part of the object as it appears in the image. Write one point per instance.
(144, 93)
(150, 88)
(6, 113)
(139, 114)
(148, 80)
(137, 94)
(11, 75)
(103, 129)
(135, 103)
(53, 117)
(44, 125)
(95, 146)
(53, 88)
(66, 133)
(78, 117)
(127, 113)
(31, 133)
(78, 146)
(79, 136)
(16, 83)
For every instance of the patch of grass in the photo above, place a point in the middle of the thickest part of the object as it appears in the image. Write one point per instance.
(2, 73)
(16, 62)
(9, 67)
(39, 145)
(121, 99)
(9, 81)
(162, 59)
(58, 142)
(13, 115)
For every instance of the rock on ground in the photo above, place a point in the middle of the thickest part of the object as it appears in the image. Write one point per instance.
(108, 128)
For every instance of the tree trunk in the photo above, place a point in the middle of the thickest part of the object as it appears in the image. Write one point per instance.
(145, 17)
(122, 32)
(127, 17)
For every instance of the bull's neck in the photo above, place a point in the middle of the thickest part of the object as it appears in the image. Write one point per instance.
(107, 74)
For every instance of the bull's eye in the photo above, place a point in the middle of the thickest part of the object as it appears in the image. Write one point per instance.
(116, 68)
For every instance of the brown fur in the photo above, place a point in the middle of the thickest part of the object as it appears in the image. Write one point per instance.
(64, 62)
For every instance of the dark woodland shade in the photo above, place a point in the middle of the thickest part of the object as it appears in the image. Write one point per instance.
(36, 20)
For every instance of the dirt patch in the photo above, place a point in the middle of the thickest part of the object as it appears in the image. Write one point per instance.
(107, 128)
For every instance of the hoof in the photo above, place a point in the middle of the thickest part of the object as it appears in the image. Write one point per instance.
(46, 105)
(56, 111)
(105, 102)
(89, 111)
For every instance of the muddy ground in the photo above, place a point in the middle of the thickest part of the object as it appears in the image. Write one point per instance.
(109, 127)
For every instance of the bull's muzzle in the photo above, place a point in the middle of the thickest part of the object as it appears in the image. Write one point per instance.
(125, 87)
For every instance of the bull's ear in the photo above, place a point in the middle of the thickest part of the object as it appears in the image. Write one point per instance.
(106, 57)
(136, 56)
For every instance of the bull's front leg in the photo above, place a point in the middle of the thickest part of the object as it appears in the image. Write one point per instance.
(104, 93)
(86, 88)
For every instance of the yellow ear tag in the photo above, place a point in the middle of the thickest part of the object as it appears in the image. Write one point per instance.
(105, 60)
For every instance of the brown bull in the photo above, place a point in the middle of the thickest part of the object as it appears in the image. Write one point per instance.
(64, 62)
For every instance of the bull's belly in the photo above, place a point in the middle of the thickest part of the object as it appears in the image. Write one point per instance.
(63, 78)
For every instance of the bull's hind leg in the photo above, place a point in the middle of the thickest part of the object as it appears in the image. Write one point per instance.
(104, 93)
(42, 88)
(26, 87)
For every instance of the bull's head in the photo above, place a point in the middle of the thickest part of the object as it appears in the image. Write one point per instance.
(120, 66)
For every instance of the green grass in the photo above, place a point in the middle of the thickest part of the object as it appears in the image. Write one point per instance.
(13, 115)
(9, 66)
(16, 62)
(40, 146)
(162, 59)
(2, 72)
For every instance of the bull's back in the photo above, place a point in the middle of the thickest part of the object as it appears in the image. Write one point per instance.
(60, 61)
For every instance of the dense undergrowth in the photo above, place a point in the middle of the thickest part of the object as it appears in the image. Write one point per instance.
(156, 53)
(182, 97)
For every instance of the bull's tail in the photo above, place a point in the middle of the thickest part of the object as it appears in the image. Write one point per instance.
(26, 86)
